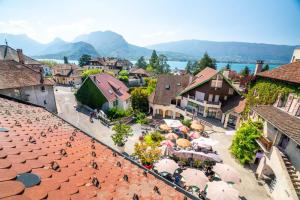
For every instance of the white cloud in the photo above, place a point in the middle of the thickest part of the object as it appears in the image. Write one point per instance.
(38, 31)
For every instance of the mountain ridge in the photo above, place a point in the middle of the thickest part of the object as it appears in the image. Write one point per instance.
(109, 43)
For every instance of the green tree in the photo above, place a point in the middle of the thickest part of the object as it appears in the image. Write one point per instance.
(265, 68)
(151, 84)
(162, 67)
(123, 75)
(84, 60)
(141, 63)
(89, 72)
(189, 67)
(245, 71)
(244, 145)
(139, 100)
(66, 60)
(227, 66)
(205, 61)
(154, 59)
(49, 63)
(122, 132)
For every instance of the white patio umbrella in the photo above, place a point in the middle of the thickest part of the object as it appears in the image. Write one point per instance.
(227, 173)
(220, 190)
(166, 165)
(194, 177)
(205, 141)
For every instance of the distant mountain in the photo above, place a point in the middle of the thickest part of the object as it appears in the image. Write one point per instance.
(22, 41)
(59, 49)
(230, 51)
(109, 43)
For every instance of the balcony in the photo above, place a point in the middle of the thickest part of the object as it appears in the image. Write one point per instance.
(205, 103)
(265, 143)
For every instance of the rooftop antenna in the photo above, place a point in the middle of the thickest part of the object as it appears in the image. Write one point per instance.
(5, 51)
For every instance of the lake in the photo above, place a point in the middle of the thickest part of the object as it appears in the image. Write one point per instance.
(181, 64)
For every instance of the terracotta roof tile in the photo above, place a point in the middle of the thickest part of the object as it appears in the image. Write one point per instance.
(288, 124)
(289, 73)
(201, 77)
(110, 87)
(37, 143)
(15, 75)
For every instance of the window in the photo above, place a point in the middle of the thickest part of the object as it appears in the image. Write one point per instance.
(216, 83)
(43, 89)
(210, 97)
(115, 104)
(217, 98)
(230, 91)
(45, 102)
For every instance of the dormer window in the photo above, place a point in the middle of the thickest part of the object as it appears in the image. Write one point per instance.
(178, 84)
(167, 87)
(110, 91)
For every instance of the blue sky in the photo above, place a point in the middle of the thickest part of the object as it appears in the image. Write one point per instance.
(144, 22)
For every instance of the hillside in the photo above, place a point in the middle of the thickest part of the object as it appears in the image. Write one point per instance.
(72, 50)
(230, 51)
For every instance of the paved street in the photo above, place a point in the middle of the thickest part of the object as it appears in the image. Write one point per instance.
(66, 103)
(249, 187)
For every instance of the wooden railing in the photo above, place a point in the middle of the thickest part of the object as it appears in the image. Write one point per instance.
(265, 142)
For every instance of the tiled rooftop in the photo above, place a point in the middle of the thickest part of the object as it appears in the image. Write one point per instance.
(70, 164)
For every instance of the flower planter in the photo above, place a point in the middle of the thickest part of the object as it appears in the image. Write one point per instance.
(121, 149)
(148, 166)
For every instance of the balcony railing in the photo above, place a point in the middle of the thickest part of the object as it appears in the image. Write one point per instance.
(267, 144)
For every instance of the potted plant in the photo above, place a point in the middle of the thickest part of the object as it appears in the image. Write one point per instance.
(122, 132)
(147, 154)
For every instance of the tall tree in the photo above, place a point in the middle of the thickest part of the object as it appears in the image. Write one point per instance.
(205, 61)
(66, 60)
(245, 71)
(141, 63)
(191, 67)
(139, 100)
(227, 66)
(154, 59)
(84, 60)
(265, 68)
(162, 67)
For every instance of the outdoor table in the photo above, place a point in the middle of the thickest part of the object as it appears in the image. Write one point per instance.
(198, 155)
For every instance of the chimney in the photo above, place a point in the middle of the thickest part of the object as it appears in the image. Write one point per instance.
(20, 56)
(42, 76)
(226, 73)
(258, 66)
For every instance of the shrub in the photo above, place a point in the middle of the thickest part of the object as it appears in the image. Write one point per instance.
(116, 113)
(186, 122)
(154, 138)
(89, 72)
(122, 132)
(244, 143)
(123, 75)
(148, 154)
(141, 118)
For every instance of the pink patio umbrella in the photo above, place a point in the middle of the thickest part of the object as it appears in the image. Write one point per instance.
(227, 173)
(220, 190)
(166, 165)
(167, 143)
(194, 135)
(171, 136)
(194, 177)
